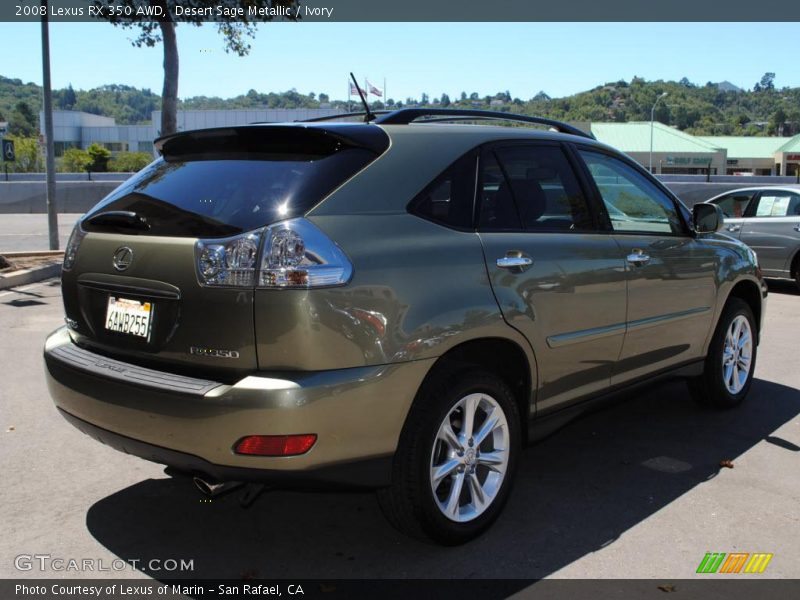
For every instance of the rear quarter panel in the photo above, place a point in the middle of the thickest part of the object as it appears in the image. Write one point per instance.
(418, 290)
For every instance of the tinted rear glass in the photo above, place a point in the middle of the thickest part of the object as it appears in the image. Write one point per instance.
(222, 192)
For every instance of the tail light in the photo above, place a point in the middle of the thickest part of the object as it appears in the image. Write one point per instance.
(294, 254)
(298, 255)
(229, 262)
(71, 251)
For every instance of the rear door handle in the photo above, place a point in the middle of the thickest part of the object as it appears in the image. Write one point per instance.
(637, 257)
(733, 228)
(514, 262)
(797, 227)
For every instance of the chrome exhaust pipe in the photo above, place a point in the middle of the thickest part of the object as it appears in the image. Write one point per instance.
(213, 488)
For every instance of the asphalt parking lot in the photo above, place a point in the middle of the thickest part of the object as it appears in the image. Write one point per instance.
(635, 490)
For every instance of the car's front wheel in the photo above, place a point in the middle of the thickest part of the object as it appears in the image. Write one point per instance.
(731, 359)
(456, 457)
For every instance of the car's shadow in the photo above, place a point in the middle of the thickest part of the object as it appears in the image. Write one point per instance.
(783, 286)
(576, 492)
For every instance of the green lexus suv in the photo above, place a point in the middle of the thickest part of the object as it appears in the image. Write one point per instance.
(398, 304)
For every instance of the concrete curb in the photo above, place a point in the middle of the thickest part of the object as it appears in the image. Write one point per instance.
(33, 253)
(26, 276)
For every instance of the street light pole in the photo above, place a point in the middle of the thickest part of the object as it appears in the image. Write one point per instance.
(652, 116)
(50, 164)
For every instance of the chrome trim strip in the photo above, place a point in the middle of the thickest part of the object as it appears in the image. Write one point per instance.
(676, 316)
(596, 333)
(585, 335)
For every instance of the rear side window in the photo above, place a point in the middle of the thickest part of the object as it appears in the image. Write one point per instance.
(449, 199)
(234, 184)
(531, 187)
(734, 205)
(778, 204)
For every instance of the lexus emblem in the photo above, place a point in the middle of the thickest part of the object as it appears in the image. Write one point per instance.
(123, 257)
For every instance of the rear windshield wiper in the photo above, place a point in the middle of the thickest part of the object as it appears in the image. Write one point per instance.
(119, 218)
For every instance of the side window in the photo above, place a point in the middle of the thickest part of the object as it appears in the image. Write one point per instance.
(734, 205)
(777, 204)
(532, 187)
(448, 200)
(634, 204)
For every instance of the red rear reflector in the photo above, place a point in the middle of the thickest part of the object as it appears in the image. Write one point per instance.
(275, 445)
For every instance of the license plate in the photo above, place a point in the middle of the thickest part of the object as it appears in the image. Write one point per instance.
(130, 317)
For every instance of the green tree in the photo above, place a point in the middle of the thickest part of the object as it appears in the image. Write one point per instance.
(767, 82)
(235, 35)
(66, 99)
(445, 100)
(129, 162)
(99, 157)
(776, 122)
(22, 121)
(75, 160)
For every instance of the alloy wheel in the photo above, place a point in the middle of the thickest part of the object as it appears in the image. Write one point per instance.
(737, 354)
(469, 459)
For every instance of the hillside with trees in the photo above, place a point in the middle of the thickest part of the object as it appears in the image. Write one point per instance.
(708, 109)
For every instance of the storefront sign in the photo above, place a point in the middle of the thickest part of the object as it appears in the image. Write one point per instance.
(685, 160)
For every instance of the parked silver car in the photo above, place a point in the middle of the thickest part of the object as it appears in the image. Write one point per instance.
(768, 220)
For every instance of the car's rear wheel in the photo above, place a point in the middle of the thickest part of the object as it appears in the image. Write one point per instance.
(456, 457)
(731, 359)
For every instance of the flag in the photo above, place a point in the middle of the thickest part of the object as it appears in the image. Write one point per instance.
(374, 90)
(353, 89)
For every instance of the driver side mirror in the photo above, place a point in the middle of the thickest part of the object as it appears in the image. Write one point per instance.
(707, 218)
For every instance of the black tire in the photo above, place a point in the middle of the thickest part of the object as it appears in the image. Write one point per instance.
(710, 389)
(409, 503)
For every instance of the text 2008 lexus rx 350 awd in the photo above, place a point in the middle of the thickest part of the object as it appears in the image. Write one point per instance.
(394, 304)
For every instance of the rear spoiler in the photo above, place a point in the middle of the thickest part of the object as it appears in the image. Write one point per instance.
(252, 141)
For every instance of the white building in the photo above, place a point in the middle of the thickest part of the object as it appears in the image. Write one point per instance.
(74, 129)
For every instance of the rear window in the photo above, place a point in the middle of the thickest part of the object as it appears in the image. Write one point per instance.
(228, 184)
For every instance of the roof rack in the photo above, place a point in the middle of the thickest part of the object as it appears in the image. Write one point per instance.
(405, 116)
(343, 115)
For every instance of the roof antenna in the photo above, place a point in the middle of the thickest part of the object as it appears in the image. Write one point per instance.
(368, 116)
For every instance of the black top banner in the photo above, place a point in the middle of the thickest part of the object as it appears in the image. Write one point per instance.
(257, 11)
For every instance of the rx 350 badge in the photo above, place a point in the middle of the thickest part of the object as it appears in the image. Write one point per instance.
(213, 352)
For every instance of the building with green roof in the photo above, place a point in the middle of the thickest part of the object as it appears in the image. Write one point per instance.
(673, 151)
(676, 152)
(760, 155)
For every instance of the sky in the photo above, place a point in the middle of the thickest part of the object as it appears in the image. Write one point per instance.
(435, 58)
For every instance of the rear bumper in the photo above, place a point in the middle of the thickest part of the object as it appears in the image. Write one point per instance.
(192, 424)
(371, 472)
